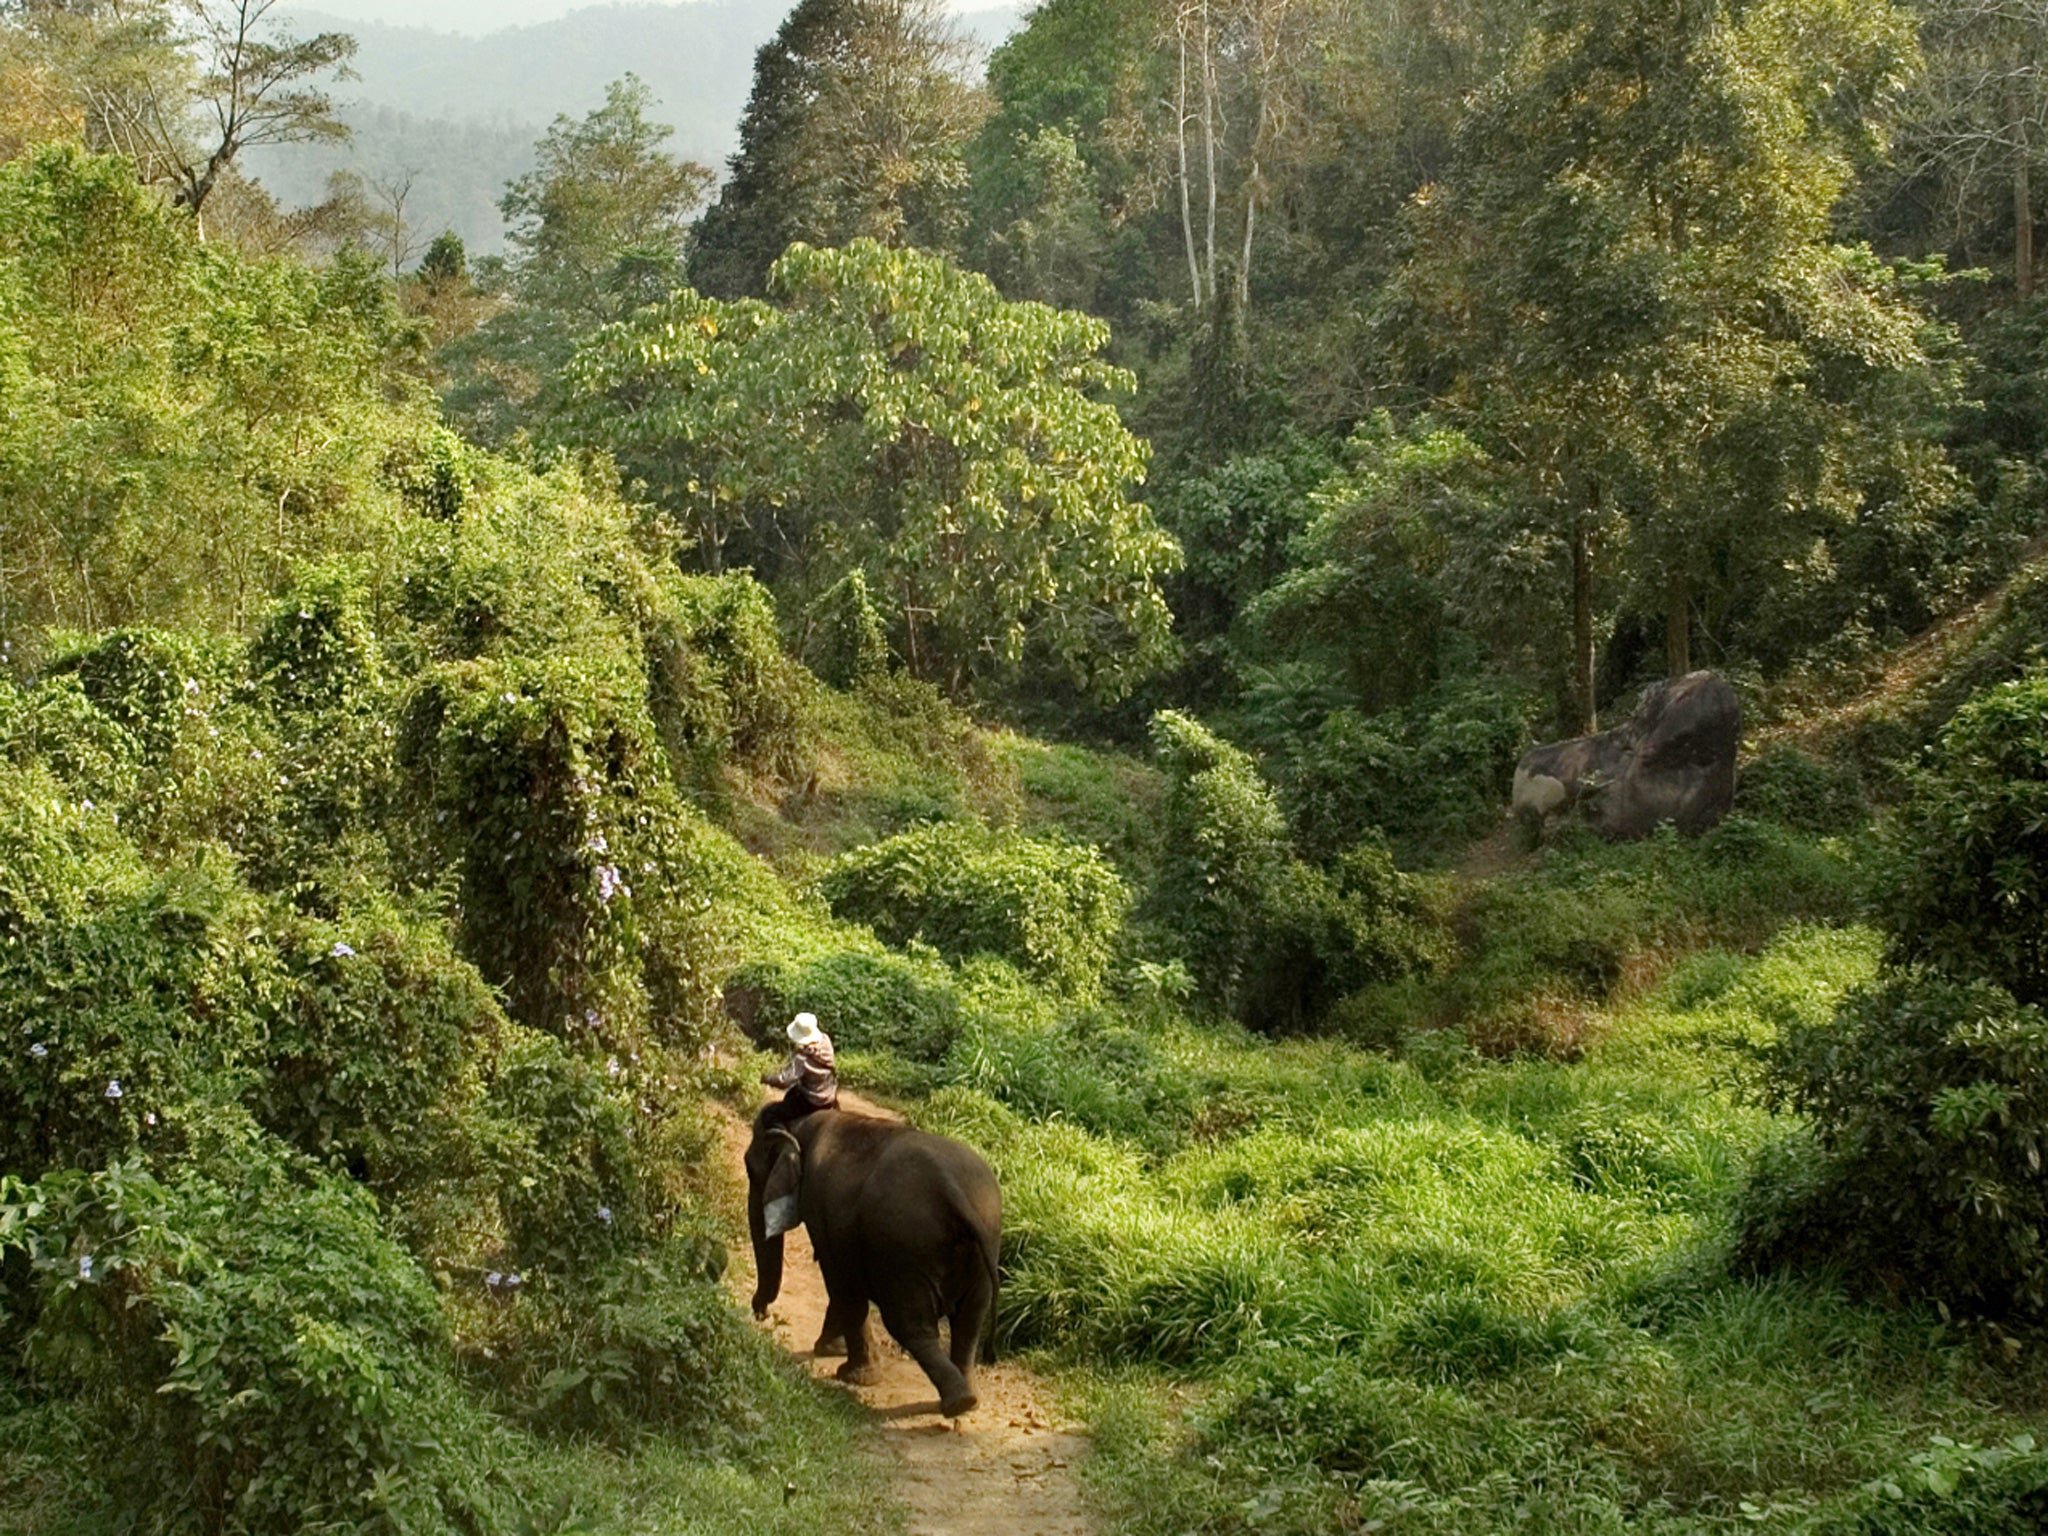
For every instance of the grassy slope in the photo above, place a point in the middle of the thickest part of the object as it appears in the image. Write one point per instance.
(1465, 1269)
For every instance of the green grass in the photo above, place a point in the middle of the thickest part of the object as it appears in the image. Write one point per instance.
(794, 1460)
(1328, 1287)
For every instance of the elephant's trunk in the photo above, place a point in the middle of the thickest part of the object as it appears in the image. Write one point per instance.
(767, 1253)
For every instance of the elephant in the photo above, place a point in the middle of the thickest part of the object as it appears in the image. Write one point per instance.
(906, 1220)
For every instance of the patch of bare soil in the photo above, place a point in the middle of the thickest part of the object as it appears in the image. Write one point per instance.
(1006, 1469)
(1907, 670)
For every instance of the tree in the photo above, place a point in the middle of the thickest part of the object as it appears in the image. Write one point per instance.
(1976, 125)
(604, 202)
(254, 89)
(1628, 292)
(598, 227)
(261, 400)
(182, 87)
(857, 126)
(893, 413)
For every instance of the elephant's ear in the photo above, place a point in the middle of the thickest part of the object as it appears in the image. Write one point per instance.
(780, 1188)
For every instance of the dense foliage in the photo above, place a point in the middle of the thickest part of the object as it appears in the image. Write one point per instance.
(1053, 909)
(418, 820)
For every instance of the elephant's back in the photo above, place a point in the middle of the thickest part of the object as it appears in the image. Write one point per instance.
(929, 1194)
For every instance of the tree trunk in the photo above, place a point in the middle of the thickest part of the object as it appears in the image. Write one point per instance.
(2022, 224)
(1678, 627)
(1209, 141)
(1583, 701)
(1187, 217)
(1251, 215)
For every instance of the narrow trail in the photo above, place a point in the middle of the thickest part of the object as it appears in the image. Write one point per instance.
(1005, 1469)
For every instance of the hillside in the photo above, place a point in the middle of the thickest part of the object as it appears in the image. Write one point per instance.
(463, 111)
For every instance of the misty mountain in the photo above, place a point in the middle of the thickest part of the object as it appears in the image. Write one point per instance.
(463, 112)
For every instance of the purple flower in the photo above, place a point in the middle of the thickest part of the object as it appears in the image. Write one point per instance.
(342, 951)
(113, 1088)
(85, 1266)
(39, 1050)
(604, 1214)
(608, 882)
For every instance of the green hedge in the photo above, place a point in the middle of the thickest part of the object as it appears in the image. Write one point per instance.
(1056, 910)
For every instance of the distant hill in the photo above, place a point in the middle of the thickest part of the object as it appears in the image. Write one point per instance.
(464, 111)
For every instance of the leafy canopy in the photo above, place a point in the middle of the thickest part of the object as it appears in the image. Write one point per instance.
(894, 413)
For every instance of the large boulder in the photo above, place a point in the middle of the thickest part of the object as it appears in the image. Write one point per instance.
(1673, 760)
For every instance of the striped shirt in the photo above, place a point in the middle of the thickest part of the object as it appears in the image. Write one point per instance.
(809, 1071)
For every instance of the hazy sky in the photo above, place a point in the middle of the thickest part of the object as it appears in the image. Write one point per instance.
(477, 16)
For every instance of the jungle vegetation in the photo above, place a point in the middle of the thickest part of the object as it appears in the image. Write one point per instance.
(1057, 589)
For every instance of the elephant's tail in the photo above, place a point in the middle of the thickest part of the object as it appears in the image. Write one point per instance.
(989, 1262)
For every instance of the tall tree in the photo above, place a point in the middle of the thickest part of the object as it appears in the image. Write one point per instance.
(603, 201)
(1975, 128)
(598, 227)
(893, 414)
(183, 87)
(857, 126)
(1628, 291)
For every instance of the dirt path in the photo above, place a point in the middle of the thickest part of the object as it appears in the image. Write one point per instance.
(1003, 1470)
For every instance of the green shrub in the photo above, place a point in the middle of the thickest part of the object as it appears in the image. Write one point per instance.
(650, 1340)
(846, 642)
(265, 1358)
(720, 686)
(1320, 935)
(1434, 771)
(1969, 887)
(866, 1000)
(1225, 848)
(138, 679)
(57, 725)
(378, 1041)
(1786, 786)
(578, 1178)
(527, 765)
(124, 997)
(1927, 1102)
(1952, 1488)
(1269, 938)
(1054, 909)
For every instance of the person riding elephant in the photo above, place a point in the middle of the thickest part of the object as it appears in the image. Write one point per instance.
(908, 1222)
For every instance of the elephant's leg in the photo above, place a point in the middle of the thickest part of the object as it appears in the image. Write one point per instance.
(832, 1333)
(851, 1318)
(955, 1395)
(969, 1323)
(916, 1327)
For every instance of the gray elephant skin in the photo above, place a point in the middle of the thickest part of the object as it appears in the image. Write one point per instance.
(1673, 760)
(906, 1221)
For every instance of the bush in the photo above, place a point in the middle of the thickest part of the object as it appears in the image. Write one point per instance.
(127, 997)
(1927, 1102)
(528, 765)
(578, 1180)
(1054, 909)
(720, 687)
(1434, 771)
(1225, 848)
(1271, 939)
(1969, 892)
(379, 1041)
(866, 1000)
(1786, 786)
(267, 1360)
(652, 1339)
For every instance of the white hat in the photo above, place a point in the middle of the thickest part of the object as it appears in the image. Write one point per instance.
(803, 1029)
